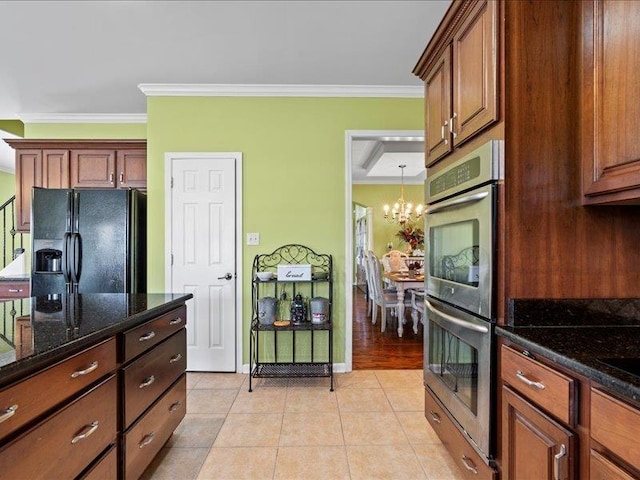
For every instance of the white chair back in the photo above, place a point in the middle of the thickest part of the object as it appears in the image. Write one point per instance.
(395, 261)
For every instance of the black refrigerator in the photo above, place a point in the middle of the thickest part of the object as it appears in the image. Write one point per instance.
(88, 241)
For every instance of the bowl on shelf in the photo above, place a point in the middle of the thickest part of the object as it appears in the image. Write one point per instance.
(264, 276)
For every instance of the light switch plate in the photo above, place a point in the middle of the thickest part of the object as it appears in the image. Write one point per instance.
(253, 239)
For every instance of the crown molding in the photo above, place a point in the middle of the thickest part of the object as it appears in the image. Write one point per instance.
(232, 90)
(83, 117)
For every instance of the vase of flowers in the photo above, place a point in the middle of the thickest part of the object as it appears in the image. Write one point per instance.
(412, 235)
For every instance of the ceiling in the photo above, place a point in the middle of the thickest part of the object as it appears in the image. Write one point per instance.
(89, 57)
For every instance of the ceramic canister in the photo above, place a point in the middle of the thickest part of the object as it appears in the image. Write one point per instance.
(267, 310)
(319, 309)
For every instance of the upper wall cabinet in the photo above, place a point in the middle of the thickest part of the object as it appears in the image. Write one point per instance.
(610, 93)
(460, 69)
(75, 164)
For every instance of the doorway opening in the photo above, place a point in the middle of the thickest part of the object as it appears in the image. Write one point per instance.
(373, 178)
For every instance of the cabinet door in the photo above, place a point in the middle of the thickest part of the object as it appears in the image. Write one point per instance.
(132, 169)
(534, 446)
(28, 175)
(93, 168)
(55, 169)
(437, 96)
(611, 115)
(475, 69)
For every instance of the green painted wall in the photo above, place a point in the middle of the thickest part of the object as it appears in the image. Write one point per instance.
(7, 186)
(89, 130)
(12, 126)
(376, 196)
(293, 170)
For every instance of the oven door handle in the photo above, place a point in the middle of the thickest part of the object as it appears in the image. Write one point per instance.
(457, 321)
(476, 197)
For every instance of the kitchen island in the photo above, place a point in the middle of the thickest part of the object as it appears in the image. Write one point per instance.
(91, 385)
(570, 388)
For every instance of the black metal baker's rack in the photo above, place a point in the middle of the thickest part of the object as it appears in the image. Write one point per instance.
(321, 283)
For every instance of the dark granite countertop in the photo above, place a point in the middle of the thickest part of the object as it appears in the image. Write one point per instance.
(61, 325)
(577, 333)
(16, 278)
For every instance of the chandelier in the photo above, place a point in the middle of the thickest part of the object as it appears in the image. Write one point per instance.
(402, 210)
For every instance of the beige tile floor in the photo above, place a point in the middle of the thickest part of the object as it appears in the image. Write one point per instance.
(371, 427)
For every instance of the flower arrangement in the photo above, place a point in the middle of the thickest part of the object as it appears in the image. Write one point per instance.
(412, 235)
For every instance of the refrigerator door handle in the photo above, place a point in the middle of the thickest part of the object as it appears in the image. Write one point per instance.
(65, 258)
(76, 263)
(69, 211)
(76, 212)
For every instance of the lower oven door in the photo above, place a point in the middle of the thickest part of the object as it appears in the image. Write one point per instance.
(458, 370)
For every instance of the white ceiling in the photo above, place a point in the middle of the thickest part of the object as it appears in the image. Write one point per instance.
(88, 57)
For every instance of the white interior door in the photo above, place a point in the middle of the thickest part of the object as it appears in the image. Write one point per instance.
(202, 238)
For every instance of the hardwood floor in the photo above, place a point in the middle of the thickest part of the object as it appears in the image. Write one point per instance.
(373, 349)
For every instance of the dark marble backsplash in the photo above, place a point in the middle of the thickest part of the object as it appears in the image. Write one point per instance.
(573, 312)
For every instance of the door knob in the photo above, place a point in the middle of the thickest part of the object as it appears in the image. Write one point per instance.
(228, 276)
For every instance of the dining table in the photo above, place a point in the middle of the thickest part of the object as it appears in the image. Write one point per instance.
(403, 281)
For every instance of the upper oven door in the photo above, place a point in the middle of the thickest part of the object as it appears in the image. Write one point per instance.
(459, 249)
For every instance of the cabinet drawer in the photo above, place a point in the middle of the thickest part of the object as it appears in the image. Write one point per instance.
(63, 445)
(147, 377)
(470, 464)
(548, 388)
(145, 336)
(602, 468)
(32, 397)
(105, 468)
(615, 425)
(14, 290)
(149, 434)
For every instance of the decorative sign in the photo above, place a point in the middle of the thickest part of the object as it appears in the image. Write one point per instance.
(294, 273)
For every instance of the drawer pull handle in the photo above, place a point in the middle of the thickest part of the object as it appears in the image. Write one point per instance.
(88, 430)
(559, 465)
(522, 377)
(435, 416)
(469, 464)
(121, 177)
(89, 369)
(147, 336)
(146, 440)
(15, 290)
(175, 406)
(176, 321)
(175, 358)
(8, 412)
(147, 381)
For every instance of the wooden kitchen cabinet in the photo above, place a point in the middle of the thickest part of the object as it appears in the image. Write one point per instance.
(610, 111)
(153, 388)
(14, 289)
(461, 86)
(93, 168)
(75, 164)
(108, 169)
(534, 445)
(614, 429)
(48, 168)
(471, 465)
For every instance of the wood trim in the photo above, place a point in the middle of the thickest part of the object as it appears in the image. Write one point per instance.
(22, 143)
(443, 35)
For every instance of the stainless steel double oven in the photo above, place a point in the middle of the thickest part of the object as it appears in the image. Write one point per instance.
(460, 244)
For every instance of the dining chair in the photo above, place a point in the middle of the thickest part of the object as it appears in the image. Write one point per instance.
(383, 298)
(368, 295)
(395, 261)
(417, 307)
